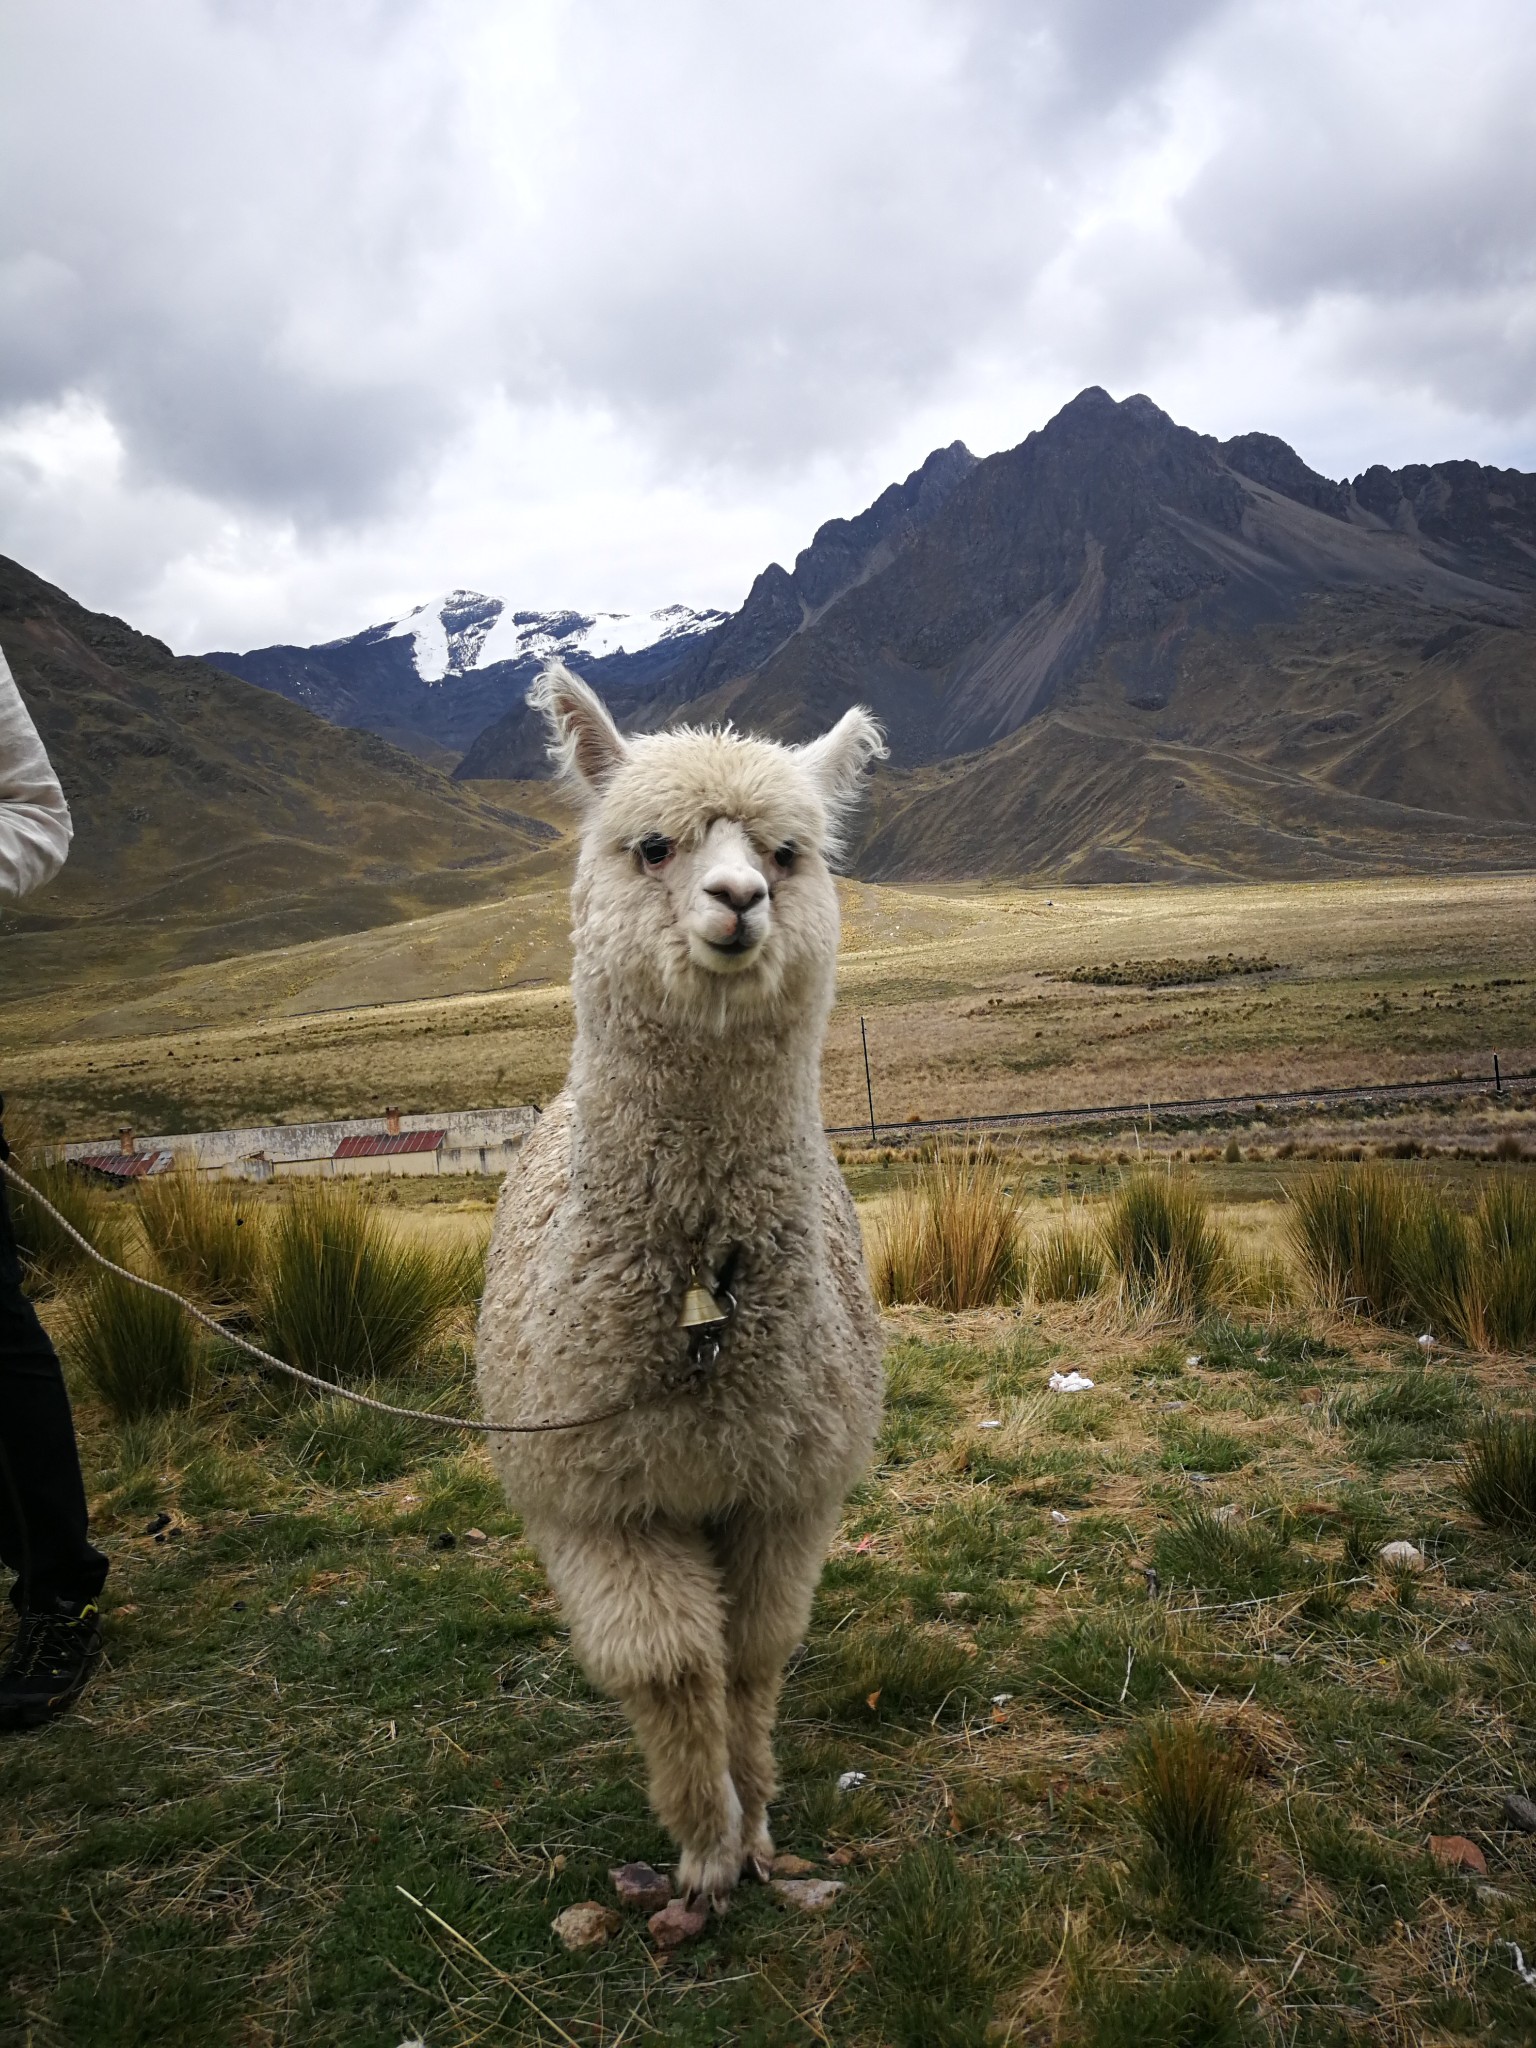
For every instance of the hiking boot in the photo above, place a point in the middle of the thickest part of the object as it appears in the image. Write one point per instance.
(54, 1653)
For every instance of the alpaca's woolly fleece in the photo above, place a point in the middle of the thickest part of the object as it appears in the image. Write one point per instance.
(684, 1537)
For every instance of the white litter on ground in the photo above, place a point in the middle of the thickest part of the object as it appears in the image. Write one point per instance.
(1070, 1383)
(990, 1423)
(850, 1781)
(1058, 1518)
(1526, 1976)
(1194, 1358)
(1426, 1341)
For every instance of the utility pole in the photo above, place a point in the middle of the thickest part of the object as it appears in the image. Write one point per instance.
(869, 1086)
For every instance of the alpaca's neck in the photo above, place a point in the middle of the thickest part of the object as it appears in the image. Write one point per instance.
(664, 1090)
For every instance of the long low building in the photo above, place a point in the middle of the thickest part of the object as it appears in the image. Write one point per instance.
(394, 1142)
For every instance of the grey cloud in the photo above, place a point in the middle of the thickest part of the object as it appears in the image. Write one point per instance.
(296, 252)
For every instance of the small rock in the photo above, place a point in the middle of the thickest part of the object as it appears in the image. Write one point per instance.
(676, 1923)
(1426, 1341)
(444, 1541)
(791, 1866)
(850, 1781)
(1402, 1556)
(1455, 1852)
(1174, 1407)
(1491, 1895)
(955, 1602)
(1229, 1513)
(1461, 1647)
(842, 1858)
(638, 1885)
(475, 1536)
(809, 1894)
(1001, 1699)
(588, 1925)
(1311, 1397)
(1520, 1812)
(1194, 1358)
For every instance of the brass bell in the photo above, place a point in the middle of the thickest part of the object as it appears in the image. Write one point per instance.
(701, 1311)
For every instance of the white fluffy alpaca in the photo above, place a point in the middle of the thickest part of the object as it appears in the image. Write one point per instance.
(685, 1536)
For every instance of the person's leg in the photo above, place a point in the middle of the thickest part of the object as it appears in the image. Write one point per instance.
(43, 1527)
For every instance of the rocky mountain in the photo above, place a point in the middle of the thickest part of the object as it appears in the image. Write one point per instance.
(1124, 648)
(214, 818)
(433, 679)
(843, 554)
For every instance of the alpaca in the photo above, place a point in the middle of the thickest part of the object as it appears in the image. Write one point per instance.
(684, 1536)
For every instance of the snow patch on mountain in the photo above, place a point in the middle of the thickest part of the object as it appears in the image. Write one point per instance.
(465, 631)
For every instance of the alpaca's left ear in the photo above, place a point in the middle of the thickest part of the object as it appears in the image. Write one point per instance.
(840, 757)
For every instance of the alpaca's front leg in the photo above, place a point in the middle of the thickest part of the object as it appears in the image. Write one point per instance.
(770, 1566)
(647, 1622)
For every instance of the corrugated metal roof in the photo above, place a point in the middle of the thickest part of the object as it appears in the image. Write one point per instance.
(387, 1143)
(126, 1165)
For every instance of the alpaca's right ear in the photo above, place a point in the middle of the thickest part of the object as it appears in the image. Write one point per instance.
(584, 742)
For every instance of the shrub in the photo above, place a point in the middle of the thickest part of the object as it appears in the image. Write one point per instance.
(1189, 1794)
(205, 1235)
(951, 1240)
(1346, 1223)
(1159, 1237)
(139, 1353)
(343, 1298)
(1498, 1474)
(1433, 1260)
(49, 1257)
(1067, 1264)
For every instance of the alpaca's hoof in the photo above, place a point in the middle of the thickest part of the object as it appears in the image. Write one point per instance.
(757, 1869)
(709, 1878)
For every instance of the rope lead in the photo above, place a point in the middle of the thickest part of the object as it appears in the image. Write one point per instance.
(309, 1379)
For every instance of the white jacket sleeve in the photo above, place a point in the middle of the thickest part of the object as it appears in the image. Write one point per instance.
(35, 830)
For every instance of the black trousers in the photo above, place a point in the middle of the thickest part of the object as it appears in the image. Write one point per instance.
(42, 1496)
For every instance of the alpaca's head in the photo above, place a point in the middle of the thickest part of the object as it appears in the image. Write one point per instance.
(704, 882)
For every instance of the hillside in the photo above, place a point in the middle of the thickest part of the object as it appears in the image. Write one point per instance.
(1124, 649)
(214, 818)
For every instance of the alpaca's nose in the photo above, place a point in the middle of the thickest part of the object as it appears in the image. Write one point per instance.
(739, 889)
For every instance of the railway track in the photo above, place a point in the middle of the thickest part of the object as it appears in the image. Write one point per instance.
(1196, 1109)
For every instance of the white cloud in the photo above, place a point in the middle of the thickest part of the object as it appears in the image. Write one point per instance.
(308, 312)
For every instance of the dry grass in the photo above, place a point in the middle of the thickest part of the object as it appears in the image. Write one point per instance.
(205, 1235)
(1160, 1240)
(951, 1238)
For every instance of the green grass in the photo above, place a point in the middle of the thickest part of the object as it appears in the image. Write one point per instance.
(50, 1258)
(1497, 1480)
(343, 1298)
(139, 1353)
(1068, 1264)
(206, 1237)
(1160, 1240)
(1418, 1412)
(310, 1703)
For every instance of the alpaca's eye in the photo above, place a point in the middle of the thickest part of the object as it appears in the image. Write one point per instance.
(655, 850)
(785, 855)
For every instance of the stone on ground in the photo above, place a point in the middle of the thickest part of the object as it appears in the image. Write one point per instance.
(588, 1925)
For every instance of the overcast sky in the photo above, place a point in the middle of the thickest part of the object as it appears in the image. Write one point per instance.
(311, 311)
